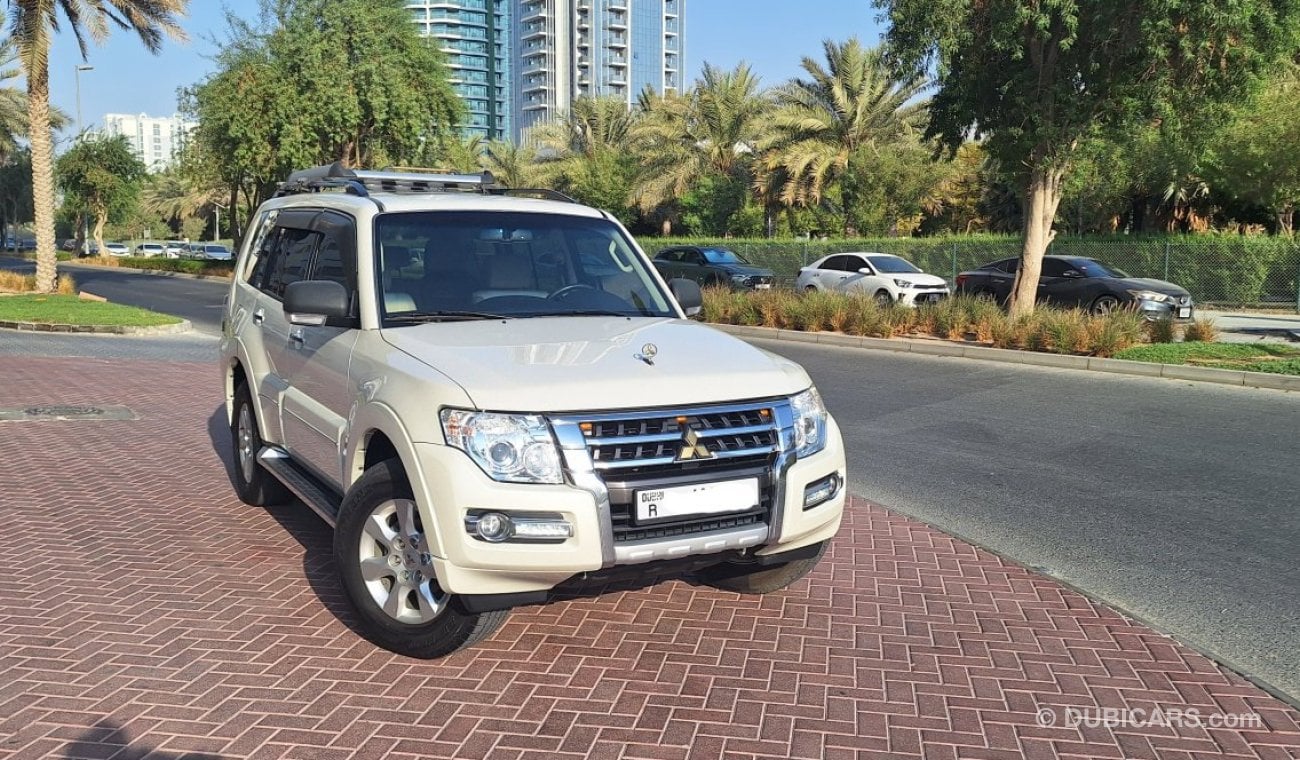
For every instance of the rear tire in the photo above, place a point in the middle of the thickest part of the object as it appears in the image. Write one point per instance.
(744, 579)
(382, 554)
(254, 484)
(810, 289)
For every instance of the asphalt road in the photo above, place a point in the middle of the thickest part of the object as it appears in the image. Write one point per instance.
(199, 301)
(1176, 502)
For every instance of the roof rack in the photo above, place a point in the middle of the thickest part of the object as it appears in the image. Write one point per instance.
(361, 182)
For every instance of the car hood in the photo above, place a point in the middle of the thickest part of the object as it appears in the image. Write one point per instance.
(522, 365)
(918, 279)
(1159, 286)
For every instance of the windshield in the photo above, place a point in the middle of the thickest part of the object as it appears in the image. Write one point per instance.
(892, 265)
(1094, 268)
(723, 256)
(457, 265)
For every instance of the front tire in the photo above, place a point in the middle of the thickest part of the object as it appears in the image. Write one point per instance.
(254, 484)
(882, 298)
(382, 552)
(1104, 305)
(744, 579)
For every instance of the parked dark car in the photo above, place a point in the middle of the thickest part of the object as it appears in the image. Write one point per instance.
(712, 265)
(1072, 281)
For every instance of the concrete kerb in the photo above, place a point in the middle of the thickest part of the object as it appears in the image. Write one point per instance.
(180, 327)
(155, 272)
(1010, 356)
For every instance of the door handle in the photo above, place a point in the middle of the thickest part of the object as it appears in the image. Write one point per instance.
(259, 316)
(296, 338)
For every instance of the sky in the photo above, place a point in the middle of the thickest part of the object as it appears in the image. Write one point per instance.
(771, 35)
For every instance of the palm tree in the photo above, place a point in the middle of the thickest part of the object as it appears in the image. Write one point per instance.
(828, 124)
(31, 25)
(13, 103)
(512, 165)
(710, 131)
(176, 195)
(584, 152)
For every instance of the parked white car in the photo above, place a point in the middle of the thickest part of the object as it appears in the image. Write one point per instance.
(150, 249)
(883, 276)
(117, 249)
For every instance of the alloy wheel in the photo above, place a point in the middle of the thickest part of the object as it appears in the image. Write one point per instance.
(397, 566)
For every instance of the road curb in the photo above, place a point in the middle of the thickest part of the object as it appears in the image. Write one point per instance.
(155, 272)
(1011, 356)
(181, 327)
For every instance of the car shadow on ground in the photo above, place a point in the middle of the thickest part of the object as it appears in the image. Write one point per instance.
(298, 521)
(107, 739)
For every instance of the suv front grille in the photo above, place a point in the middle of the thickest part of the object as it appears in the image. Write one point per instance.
(638, 451)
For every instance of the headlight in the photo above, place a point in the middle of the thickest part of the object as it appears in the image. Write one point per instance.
(512, 448)
(903, 283)
(1149, 295)
(809, 423)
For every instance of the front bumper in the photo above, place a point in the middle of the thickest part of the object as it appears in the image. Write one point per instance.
(454, 487)
(1154, 311)
(919, 297)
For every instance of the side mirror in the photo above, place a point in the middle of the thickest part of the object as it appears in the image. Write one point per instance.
(688, 295)
(866, 271)
(313, 302)
(1073, 274)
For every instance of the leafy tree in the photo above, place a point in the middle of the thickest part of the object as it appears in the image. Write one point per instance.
(1256, 158)
(102, 178)
(1036, 77)
(702, 143)
(832, 125)
(312, 82)
(31, 25)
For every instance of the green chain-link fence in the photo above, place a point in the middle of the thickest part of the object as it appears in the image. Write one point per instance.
(1221, 270)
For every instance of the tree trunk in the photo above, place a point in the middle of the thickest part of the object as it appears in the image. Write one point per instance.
(38, 114)
(666, 229)
(1042, 197)
(1286, 220)
(101, 218)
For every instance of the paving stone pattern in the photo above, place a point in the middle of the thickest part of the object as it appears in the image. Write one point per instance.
(146, 613)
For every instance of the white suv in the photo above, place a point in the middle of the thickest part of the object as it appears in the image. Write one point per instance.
(487, 395)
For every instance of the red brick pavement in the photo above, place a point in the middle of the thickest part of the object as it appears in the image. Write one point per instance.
(145, 612)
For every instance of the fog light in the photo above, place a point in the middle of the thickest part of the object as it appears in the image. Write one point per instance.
(502, 527)
(493, 527)
(821, 491)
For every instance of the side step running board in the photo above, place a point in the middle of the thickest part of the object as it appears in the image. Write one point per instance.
(304, 485)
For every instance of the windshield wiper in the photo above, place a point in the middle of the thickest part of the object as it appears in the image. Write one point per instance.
(590, 313)
(442, 316)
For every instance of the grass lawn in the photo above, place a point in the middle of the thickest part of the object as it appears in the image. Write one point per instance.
(1277, 358)
(71, 310)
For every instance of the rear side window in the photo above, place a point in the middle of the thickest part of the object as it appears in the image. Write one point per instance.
(1007, 265)
(835, 263)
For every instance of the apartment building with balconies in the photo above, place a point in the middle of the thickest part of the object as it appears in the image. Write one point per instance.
(474, 36)
(566, 49)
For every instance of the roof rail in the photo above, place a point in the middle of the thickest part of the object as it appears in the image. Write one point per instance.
(360, 182)
(530, 192)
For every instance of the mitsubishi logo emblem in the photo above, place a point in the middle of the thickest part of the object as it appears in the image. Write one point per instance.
(693, 447)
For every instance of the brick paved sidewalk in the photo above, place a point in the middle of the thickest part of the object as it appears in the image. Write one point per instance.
(145, 612)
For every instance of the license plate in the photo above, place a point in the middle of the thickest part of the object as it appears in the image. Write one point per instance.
(763, 286)
(700, 499)
(1184, 312)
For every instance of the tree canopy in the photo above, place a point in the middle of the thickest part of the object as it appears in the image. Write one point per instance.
(316, 81)
(100, 177)
(1034, 78)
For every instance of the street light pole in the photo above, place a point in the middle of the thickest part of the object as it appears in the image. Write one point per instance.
(85, 222)
(216, 227)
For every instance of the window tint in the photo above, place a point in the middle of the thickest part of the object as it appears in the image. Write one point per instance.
(692, 257)
(290, 261)
(1055, 267)
(668, 256)
(834, 263)
(854, 263)
(1007, 265)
